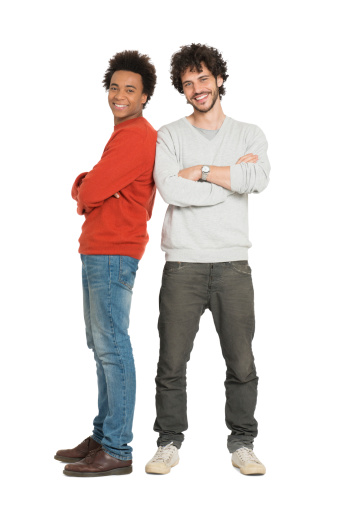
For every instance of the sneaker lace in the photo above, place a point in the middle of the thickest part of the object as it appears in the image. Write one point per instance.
(164, 453)
(247, 455)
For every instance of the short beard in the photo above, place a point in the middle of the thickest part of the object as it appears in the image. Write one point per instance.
(216, 95)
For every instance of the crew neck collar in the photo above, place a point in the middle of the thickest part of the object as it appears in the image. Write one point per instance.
(128, 122)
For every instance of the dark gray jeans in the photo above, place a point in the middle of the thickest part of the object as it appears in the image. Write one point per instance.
(188, 289)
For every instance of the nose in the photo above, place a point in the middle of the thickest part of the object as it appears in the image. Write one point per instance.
(197, 88)
(118, 94)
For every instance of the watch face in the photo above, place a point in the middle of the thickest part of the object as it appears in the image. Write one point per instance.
(204, 172)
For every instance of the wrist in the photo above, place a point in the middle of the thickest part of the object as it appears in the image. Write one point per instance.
(205, 170)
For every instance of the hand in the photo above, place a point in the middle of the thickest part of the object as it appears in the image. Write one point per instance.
(250, 157)
(193, 173)
(116, 195)
(81, 210)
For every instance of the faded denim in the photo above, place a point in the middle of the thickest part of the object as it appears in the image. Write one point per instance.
(107, 291)
(188, 289)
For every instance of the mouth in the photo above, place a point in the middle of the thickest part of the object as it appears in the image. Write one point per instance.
(119, 106)
(201, 97)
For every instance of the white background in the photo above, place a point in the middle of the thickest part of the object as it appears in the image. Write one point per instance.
(55, 123)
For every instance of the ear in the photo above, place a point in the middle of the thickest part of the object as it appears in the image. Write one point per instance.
(219, 81)
(144, 98)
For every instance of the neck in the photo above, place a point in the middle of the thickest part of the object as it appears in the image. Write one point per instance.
(117, 121)
(211, 120)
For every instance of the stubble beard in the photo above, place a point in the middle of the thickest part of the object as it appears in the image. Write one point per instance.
(215, 97)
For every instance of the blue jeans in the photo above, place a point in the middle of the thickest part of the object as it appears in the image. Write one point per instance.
(107, 293)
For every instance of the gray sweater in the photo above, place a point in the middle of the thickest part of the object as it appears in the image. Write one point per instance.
(204, 222)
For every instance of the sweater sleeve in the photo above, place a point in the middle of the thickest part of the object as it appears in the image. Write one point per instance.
(176, 190)
(123, 161)
(76, 185)
(248, 177)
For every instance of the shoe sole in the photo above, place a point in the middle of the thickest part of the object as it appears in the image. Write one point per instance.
(117, 471)
(258, 471)
(151, 469)
(67, 459)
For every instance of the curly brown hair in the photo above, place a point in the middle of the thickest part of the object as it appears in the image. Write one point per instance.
(191, 57)
(135, 62)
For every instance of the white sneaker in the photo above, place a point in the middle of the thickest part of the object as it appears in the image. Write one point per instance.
(248, 463)
(165, 458)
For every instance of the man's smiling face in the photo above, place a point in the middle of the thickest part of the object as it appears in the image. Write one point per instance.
(126, 97)
(201, 89)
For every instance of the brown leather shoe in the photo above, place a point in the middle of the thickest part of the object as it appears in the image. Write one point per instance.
(98, 463)
(79, 452)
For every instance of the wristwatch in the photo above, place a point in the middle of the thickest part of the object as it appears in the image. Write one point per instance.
(204, 172)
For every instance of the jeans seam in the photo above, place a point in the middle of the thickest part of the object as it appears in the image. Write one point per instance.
(118, 351)
(120, 275)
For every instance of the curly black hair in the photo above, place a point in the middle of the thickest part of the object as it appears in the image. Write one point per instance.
(135, 62)
(190, 57)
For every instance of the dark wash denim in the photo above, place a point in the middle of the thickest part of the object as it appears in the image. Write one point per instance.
(188, 289)
(107, 292)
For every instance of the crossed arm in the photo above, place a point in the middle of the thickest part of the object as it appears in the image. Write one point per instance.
(182, 192)
(220, 175)
(83, 208)
(119, 166)
(182, 187)
(250, 174)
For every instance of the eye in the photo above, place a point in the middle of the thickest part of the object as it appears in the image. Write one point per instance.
(130, 91)
(187, 84)
(113, 88)
(204, 79)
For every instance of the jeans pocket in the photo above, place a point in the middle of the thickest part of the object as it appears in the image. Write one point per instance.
(173, 266)
(127, 271)
(241, 267)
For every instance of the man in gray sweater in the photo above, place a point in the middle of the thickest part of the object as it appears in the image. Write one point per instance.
(206, 165)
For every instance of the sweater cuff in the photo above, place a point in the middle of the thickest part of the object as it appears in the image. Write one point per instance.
(76, 185)
(236, 178)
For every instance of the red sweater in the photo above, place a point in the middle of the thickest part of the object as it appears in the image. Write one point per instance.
(118, 225)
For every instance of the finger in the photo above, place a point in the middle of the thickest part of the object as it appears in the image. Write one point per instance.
(116, 195)
(249, 158)
(243, 158)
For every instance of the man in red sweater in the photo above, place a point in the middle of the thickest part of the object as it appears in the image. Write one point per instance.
(116, 197)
